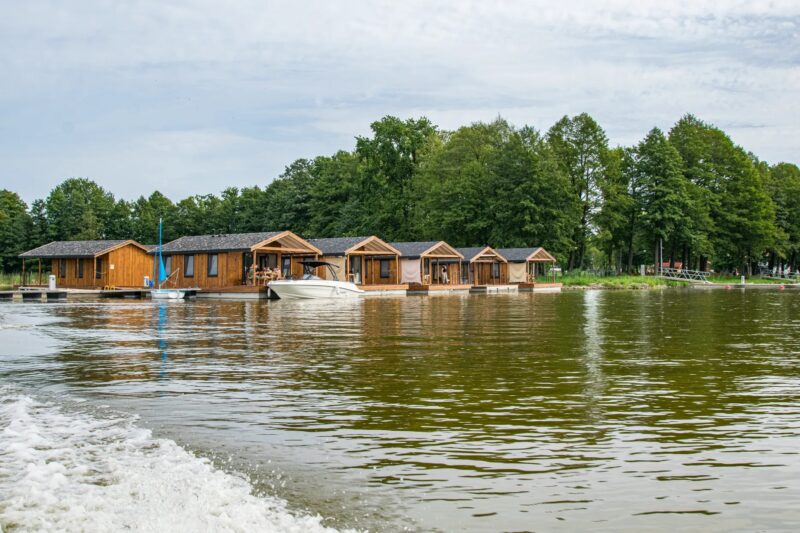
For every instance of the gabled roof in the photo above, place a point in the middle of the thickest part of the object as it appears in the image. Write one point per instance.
(481, 252)
(340, 246)
(63, 249)
(523, 255)
(233, 242)
(412, 250)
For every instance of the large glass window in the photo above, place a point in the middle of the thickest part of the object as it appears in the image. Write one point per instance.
(386, 268)
(213, 265)
(495, 270)
(188, 266)
(62, 268)
(79, 264)
(168, 265)
(98, 268)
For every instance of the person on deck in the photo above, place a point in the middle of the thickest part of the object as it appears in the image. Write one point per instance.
(445, 279)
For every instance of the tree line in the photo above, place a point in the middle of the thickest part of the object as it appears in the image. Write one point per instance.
(691, 192)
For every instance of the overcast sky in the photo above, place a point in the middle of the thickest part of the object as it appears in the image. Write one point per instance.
(192, 97)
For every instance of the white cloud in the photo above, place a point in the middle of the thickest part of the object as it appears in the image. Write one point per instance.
(205, 94)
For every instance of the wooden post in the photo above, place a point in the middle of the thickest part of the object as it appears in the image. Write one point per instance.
(40, 271)
(397, 270)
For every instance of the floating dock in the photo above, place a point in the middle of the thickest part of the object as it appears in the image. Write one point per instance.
(46, 295)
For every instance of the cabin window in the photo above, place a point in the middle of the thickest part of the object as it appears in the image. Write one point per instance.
(286, 268)
(188, 266)
(496, 270)
(62, 268)
(213, 265)
(272, 261)
(386, 268)
(98, 268)
(168, 265)
(80, 268)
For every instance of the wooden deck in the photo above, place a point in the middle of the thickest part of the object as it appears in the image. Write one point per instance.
(33, 295)
(540, 287)
(384, 288)
(436, 288)
(494, 289)
(238, 292)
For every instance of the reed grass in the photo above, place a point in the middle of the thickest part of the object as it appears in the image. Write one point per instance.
(8, 280)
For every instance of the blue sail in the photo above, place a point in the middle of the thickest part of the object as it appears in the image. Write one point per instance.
(162, 272)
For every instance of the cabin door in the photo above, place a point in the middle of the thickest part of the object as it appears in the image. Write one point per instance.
(247, 261)
(356, 269)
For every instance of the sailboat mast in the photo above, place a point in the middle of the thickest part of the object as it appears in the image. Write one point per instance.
(160, 259)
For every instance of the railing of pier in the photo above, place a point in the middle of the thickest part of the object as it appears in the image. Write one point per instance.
(767, 273)
(680, 274)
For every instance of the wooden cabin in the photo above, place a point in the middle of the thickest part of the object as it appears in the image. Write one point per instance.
(90, 264)
(430, 264)
(369, 262)
(231, 262)
(483, 266)
(527, 265)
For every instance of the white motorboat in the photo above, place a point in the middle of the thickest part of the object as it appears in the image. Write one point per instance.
(312, 286)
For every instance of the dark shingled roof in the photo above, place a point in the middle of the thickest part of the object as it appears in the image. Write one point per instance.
(470, 253)
(217, 243)
(73, 249)
(336, 245)
(413, 249)
(517, 255)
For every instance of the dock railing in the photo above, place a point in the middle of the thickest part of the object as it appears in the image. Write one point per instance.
(680, 274)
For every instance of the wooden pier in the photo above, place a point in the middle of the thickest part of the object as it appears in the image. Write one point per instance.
(46, 295)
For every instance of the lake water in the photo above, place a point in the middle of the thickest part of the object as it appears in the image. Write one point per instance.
(609, 411)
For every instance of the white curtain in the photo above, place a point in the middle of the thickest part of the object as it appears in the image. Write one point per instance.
(410, 272)
(517, 273)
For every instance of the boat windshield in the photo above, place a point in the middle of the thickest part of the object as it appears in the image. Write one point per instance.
(310, 270)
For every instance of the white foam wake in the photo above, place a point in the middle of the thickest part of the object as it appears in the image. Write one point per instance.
(68, 471)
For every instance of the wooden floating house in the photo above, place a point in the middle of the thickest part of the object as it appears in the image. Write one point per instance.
(369, 262)
(483, 266)
(91, 264)
(430, 266)
(231, 264)
(527, 266)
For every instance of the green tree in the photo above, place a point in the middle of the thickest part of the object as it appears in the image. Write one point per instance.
(455, 181)
(15, 227)
(784, 188)
(287, 199)
(664, 194)
(335, 205)
(580, 145)
(146, 212)
(77, 209)
(747, 218)
(390, 159)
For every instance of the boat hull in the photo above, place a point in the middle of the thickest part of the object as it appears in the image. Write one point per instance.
(309, 289)
(167, 294)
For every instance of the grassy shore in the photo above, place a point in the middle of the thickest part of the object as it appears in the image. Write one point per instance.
(7, 281)
(589, 281)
